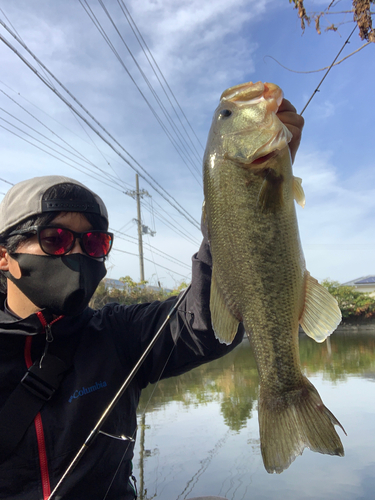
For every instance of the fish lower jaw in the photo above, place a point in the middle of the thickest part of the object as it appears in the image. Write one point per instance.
(263, 159)
(248, 162)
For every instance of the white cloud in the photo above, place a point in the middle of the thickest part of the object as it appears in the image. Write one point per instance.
(202, 48)
(337, 225)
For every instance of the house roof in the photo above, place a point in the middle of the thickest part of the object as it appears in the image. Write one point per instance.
(364, 280)
(120, 285)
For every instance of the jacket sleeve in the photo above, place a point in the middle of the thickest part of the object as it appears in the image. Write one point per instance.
(188, 339)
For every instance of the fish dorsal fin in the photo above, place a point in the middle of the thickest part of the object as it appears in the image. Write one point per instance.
(321, 315)
(224, 324)
(298, 192)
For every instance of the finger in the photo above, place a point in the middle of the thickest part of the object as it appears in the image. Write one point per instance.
(289, 118)
(286, 106)
(296, 139)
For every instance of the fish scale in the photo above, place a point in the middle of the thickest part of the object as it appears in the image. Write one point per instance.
(259, 276)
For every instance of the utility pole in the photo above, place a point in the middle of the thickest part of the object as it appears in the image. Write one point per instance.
(140, 243)
(142, 229)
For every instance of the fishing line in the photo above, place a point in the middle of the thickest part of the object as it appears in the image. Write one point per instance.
(204, 465)
(328, 70)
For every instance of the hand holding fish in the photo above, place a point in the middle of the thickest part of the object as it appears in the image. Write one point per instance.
(259, 276)
(294, 122)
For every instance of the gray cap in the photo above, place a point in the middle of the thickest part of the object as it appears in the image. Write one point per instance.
(25, 199)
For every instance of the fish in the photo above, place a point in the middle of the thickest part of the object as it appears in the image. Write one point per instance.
(259, 275)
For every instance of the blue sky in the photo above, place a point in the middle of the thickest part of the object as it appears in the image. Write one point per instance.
(202, 48)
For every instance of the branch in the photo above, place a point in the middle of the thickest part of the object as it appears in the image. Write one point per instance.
(321, 69)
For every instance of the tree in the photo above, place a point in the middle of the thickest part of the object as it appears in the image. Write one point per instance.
(132, 293)
(353, 304)
(361, 11)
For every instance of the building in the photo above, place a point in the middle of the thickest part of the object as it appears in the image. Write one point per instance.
(363, 284)
(110, 284)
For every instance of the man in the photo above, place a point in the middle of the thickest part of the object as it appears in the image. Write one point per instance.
(53, 245)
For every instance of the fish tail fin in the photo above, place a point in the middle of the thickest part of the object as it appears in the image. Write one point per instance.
(292, 422)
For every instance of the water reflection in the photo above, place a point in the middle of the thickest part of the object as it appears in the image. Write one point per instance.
(198, 433)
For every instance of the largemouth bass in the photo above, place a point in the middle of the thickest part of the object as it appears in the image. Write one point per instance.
(259, 276)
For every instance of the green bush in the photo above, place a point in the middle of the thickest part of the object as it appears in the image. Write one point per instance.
(351, 302)
(132, 293)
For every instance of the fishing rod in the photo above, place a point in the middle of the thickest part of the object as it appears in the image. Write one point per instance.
(328, 70)
(96, 429)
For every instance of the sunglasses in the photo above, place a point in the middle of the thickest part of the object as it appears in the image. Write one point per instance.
(59, 240)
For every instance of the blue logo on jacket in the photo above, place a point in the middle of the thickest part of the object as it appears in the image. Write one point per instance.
(87, 390)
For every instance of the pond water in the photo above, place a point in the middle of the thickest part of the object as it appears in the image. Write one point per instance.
(198, 433)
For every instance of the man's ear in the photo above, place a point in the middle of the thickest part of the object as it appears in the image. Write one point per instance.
(4, 259)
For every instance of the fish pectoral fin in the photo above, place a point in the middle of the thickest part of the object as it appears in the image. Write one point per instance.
(270, 198)
(321, 314)
(224, 323)
(293, 421)
(298, 192)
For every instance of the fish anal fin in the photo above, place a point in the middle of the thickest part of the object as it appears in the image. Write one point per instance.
(292, 422)
(224, 323)
(298, 192)
(321, 314)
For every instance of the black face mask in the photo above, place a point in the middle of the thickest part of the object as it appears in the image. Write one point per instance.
(64, 284)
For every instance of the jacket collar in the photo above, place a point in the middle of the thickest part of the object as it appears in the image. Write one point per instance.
(32, 325)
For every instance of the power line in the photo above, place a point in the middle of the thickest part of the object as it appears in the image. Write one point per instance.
(11, 183)
(182, 232)
(151, 247)
(148, 260)
(58, 152)
(78, 155)
(103, 179)
(154, 93)
(118, 57)
(61, 124)
(168, 198)
(59, 159)
(128, 16)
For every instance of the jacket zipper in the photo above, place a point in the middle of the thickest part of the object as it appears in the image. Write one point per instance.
(43, 461)
(46, 487)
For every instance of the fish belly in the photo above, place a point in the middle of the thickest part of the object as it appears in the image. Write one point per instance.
(259, 267)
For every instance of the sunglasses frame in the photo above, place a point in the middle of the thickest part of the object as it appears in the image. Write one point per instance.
(37, 230)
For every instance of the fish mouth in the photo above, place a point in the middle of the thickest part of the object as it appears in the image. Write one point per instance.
(254, 92)
(263, 159)
(248, 162)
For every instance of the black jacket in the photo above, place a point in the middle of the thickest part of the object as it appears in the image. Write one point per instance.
(110, 341)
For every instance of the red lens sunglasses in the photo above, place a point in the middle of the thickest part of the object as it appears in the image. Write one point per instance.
(59, 240)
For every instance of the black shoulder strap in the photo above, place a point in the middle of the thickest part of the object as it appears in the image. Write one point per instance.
(36, 388)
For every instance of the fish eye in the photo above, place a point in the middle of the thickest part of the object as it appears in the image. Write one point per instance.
(224, 113)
